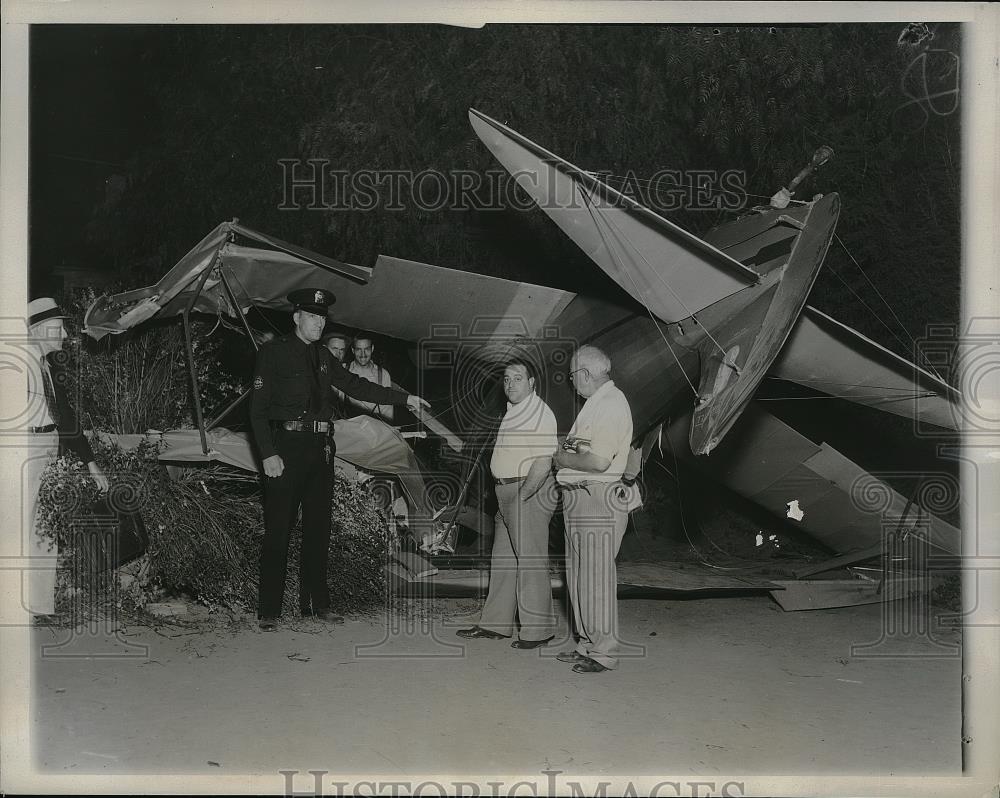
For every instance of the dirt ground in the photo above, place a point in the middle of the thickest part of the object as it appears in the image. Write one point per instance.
(711, 686)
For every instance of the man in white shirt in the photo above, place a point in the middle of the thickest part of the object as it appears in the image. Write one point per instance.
(362, 365)
(522, 467)
(51, 423)
(589, 467)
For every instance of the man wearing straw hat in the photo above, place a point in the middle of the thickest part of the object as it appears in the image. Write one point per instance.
(52, 424)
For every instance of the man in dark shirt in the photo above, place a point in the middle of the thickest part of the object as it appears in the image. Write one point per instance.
(290, 409)
(337, 343)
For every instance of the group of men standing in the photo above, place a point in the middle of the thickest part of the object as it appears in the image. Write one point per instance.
(296, 382)
(295, 387)
(588, 471)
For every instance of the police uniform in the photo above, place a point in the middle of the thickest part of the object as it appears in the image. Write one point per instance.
(291, 406)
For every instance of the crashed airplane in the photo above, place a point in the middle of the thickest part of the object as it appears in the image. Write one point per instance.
(701, 323)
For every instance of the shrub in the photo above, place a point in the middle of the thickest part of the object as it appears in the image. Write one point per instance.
(139, 380)
(205, 532)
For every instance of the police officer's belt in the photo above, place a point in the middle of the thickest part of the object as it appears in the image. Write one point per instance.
(46, 428)
(304, 426)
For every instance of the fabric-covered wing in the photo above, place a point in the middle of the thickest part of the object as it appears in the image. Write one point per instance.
(273, 272)
(363, 442)
(828, 356)
(844, 507)
(672, 272)
(402, 299)
(412, 301)
(121, 312)
(408, 300)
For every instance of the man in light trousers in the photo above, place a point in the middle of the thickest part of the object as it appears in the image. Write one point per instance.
(522, 467)
(590, 465)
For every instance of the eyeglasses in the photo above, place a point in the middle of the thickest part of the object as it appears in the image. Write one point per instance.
(574, 371)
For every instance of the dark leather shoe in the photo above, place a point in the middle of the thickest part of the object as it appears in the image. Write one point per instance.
(477, 632)
(589, 665)
(329, 616)
(570, 656)
(267, 624)
(531, 643)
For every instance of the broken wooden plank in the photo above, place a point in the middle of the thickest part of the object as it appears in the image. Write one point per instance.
(838, 562)
(819, 594)
(687, 577)
(418, 567)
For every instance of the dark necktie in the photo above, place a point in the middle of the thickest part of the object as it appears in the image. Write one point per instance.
(50, 393)
(315, 400)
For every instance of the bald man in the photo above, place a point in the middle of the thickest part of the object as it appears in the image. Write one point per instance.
(590, 465)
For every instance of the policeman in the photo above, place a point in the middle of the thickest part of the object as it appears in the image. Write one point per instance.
(290, 409)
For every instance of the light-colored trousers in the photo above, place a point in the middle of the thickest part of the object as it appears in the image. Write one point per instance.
(40, 578)
(519, 570)
(595, 526)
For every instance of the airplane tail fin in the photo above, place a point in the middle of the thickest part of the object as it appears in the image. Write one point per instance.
(745, 335)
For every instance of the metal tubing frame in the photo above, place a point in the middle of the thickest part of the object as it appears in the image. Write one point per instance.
(231, 295)
(490, 435)
(212, 424)
(192, 371)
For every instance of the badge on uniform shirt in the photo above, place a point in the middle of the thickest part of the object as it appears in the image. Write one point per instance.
(322, 368)
(258, 382)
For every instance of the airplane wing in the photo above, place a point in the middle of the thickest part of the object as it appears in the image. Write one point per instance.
(828, 356)
(214, 267)
(399, 298)
(844, 506)
(670, 271)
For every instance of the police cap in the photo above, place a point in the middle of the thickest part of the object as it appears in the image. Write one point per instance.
(312, 300)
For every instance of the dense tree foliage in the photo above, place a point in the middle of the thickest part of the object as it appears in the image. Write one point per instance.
(230, 102)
